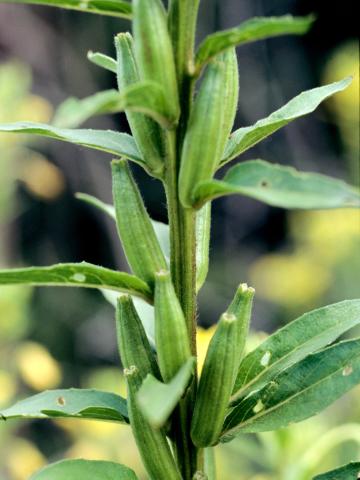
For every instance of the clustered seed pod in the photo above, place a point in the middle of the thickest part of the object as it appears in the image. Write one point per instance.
(209, 125)
(133, 343)
(147, 133)
(141, 246)
(153, 445)
(153, 48)
(171, 336)
(219, 371)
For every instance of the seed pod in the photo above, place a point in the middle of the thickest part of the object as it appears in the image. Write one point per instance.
(171, 336)
(134, 347)
(146, 132)
(137, 234)
(216, 383)
(241, 307)
(208, 127)
(152, 444)
(153, 48)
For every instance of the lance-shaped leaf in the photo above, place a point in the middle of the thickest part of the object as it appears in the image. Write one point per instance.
(114, 8)
(203, 226)
(347, 472)
(305, 103)
(299, 392)
(85, 404)
(157, 400)
(74, 111)
(292, 343)
(254, 29)
(77, 275)
(119, 144)
(84, 469)
(102, 60)
(280, 186)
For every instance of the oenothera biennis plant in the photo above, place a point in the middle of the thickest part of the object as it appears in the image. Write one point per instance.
(181, 134)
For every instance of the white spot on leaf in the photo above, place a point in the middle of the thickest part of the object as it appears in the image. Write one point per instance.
(79, 277)
(265, 359)
(61, 401)
(258, 407)
(347, 371)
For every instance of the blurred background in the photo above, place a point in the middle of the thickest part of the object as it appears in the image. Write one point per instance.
(297, 261)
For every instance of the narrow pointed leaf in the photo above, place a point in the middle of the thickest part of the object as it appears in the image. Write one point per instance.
(347, 472)
(252, 30)
(77, 275)
(119, 144)
(157, 400)
(292, 343)
(114, 8)
(280, 186)
(301, 391)
(102, 60)
(85, 404)
(84, 469)
(74, 111)
(203, 226)
(246, 137)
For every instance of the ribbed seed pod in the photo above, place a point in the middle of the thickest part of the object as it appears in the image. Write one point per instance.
(231, 98)
(209, 125)
(146, 132)
(152, 444)
(241, 307)
(171, 336)
(134, 346)
(153, 48)
(216, 383)
(136, 231)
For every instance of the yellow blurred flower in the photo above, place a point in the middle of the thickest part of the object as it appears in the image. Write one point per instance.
(203, 339)
(35, 109)
(14, 312)
(7, 387)
(291, 280)
(23, 459)
(89, 450)
(37, 367)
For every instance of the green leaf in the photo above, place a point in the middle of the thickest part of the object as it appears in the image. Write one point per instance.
(73, 111)
(157, 400)
(84, 469)
(85, 404)
(203, 225)
(280, 186)
(77, 275)
(245, 138)
(103, 61)
(252, 30)
(119, 144)
(114, 8)
(347, 472)
(292, 343)
(300, 392)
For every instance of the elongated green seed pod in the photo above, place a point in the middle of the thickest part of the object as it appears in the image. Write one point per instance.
(153, 48)
(152, 444)
(134, 347)
(136, 231)
(171, 336)
(216, 383)
(147, 133)
(208, 127)
(241, 307)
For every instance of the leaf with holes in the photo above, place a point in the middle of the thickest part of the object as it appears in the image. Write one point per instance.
(84, 469)
(280, 186)
(292, 343)
(77, 275)
(114, 8)
(252, 30)
(85, 404)
(303, 104)
(301, 391)
(116, 143)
